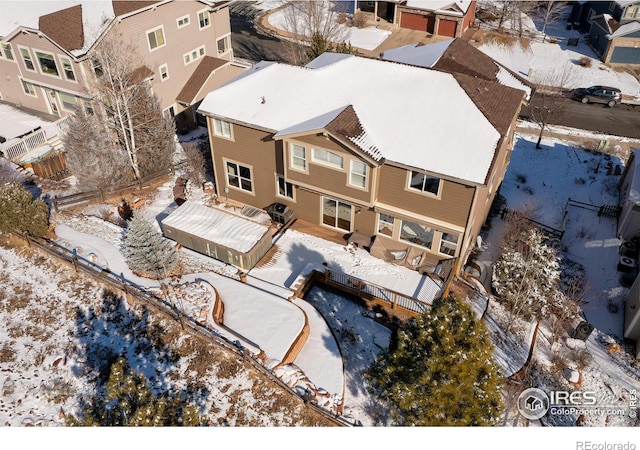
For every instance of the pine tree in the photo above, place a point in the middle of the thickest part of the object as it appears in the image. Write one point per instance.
(129, 402)
(146, 250)
(442, 372)
(21, 213)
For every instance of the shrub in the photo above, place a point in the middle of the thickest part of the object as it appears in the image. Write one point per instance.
(21, 213)
(342, 17)
(359, 19)
(585, 61)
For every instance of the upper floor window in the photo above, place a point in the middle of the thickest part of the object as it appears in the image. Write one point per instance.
(358, 174)
(223, 45)
(203, 19)
(424, 183)
(448, 244)
(47, 63)
(193, 55)
(164, 72)
(222, 128)
(8, 51)
(416, 233)
(239, 176)
(68, 69)
(156, 38)
(28, 88)
(26, 58)
(298, 157)
(183, 21)
(327, 158)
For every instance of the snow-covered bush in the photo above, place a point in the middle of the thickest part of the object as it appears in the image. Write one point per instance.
(21, 213)
(147, 251)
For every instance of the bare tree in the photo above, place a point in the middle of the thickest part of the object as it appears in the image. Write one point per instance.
(310, 21)
(547, 102)
(196, 163)
(549, 12)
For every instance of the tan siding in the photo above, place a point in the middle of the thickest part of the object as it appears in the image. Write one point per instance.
(452, 207)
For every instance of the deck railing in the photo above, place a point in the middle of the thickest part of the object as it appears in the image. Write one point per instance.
(14, 149)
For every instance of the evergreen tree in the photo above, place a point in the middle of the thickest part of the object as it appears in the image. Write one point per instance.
(21, 213)
(146, 250)
(442, 372)
(129, 402)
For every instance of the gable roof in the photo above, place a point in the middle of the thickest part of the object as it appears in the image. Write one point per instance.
(64, 27)
(440, 5)
(417, 122)
(198, 78)
(625, 29)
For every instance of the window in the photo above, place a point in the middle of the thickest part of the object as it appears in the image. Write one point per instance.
(88, 108)
(358, 174)
(416, 234)
(203, 19)
(68, 101)
(8, 51)
(239, 176)
(448, 244)
(222, 128)
(327, 158)
(164, 72)
(68, 69)
(336, 214)
(424, 183)
(97, 67)
(223, 45)
(47, 64)
(285, 189)
(156, 38)
(298, 157)
(26, 58)
(28, 88)
(386, 224)
(193, 55)
(183, 21)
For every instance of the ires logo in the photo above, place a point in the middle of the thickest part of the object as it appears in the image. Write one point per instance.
(534, 403)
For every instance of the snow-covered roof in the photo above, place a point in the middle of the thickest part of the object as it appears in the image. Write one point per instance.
(418, 55)
(421, 118)
(439, 5)
(627, 28)
(506, 78)
(217, 226)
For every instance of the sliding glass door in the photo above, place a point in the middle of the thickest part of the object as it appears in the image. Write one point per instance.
(336, 214)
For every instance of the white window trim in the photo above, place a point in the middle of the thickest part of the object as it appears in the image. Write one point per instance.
(220, 133)
(59, 94)
(35, 92)
(441, 240)
(4, 51)
(198, 55)
(35, 53)
(187, 16)
(166, 110)
(198, 18)
(227, 39)
(166, 67)
(433, 235)
(61, 58)
(352, 212)
(153, 30)
(293, 189)
(366, 174)
(326, 163)
(239, 188)
(306, 158)
(423, 192)
(393, 227)
(31, 58)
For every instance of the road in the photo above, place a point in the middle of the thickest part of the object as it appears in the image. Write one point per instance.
(621, 120)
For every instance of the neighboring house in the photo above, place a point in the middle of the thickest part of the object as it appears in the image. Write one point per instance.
(449, 18)
(629, 202)
(613, 29)
(46, 51)
(632, 315)
(413, 166)
(458, 56)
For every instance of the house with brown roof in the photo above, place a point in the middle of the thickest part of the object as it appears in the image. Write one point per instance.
(409, 172)
(450, 18)
(46, 51)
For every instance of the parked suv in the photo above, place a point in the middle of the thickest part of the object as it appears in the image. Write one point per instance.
(598, 94)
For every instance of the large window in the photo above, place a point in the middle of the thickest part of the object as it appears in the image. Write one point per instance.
(222, 128)
(156, 38)
(386, 224)
(203, 19)
(448, 244)
(26, 58)
(47, 63)
(239, 176)
(68, 101)
(358, 174)
(327, 158)
(416, 233)
(336, 214)
(68, 69)
(424, 183)
(285, 189)
(298, 157)
(28, 88)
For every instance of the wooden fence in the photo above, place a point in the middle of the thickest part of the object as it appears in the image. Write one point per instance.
(53, 167)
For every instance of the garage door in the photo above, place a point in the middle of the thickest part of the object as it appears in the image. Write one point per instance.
(447, 28)
(413, 21)
(625, 55)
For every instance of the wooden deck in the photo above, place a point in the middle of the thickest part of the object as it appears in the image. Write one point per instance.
(336, 236)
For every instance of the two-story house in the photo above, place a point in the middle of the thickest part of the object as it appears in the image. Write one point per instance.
(613, 28)
(46, 48)
(412, 157)
(440, 18)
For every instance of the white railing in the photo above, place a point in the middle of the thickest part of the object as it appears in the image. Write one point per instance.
(14, 149)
